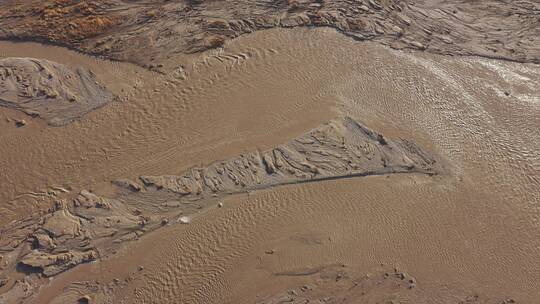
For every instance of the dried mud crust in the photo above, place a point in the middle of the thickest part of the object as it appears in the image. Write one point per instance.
(148, 33)
(88, 227)
(50, 90)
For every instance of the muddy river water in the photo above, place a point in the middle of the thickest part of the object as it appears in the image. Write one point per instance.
(469, 233)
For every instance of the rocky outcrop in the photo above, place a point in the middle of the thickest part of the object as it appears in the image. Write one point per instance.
(80, 229)
(50, 90)
(148, 33)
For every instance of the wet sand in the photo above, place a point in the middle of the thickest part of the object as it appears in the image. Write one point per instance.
(466, 234)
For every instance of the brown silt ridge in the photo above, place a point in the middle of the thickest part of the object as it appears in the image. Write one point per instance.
(339, 149)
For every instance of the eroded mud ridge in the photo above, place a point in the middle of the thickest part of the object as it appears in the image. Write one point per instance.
(149, 32)
(339, 149)
(87, 227)
(50, 90)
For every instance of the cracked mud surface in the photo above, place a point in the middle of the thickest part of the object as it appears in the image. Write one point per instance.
(250, 156)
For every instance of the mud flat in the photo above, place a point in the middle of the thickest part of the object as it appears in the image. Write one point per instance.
(265, 245)
(149, 33)
(49, 90)
(207, 186)
(90, 227)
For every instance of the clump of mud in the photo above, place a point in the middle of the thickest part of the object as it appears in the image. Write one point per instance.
(49, 90)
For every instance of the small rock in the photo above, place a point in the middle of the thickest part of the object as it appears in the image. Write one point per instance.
(20, 122)
(164, 222)
(271, 251)
(140, 268)
(506, 93)
(220, 204)
(3, 281)
(184, 220)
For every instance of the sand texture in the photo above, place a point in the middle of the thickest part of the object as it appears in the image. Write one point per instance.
(78, 230)
(370, 151)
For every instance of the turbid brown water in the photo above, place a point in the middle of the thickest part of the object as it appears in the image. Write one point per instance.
(467, 234)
